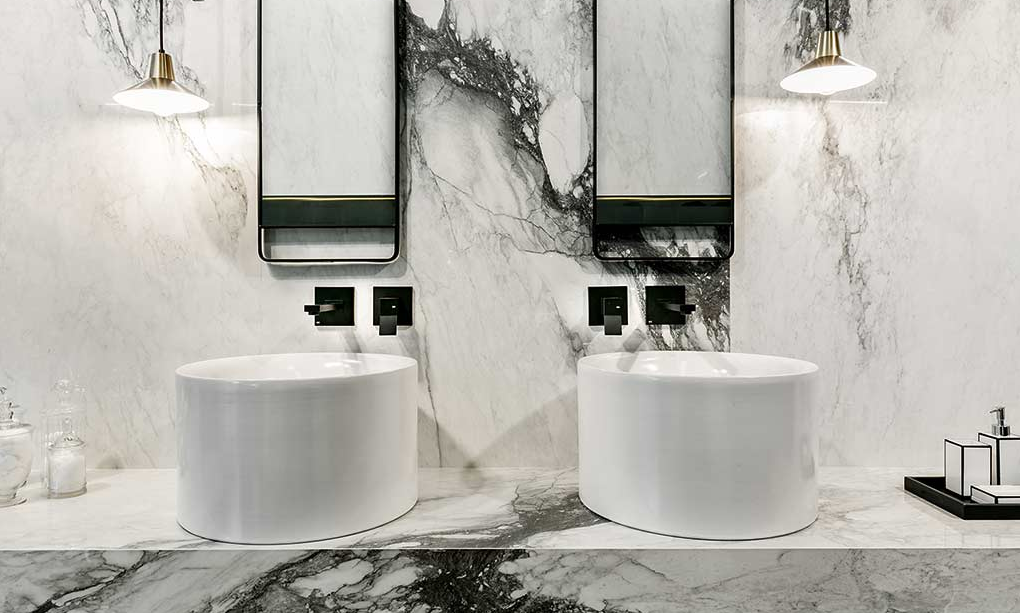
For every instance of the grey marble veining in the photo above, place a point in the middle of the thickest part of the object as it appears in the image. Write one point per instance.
(501, 509)
(569, 581)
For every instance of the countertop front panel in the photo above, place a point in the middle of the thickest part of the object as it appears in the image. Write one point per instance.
(498, 509)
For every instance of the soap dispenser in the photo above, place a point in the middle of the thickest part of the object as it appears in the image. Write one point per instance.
(15, 453)
(1005, 450)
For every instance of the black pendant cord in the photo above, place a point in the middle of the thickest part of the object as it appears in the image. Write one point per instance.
(827, 28)
(161, 24)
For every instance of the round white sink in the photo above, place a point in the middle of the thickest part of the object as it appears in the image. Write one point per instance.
(700, 445)
(294, 448)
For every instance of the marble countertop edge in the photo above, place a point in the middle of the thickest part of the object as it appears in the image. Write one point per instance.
(499, 508)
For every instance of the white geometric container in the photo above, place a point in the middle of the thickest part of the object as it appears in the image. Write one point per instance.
(967, 463)
(1005, 458)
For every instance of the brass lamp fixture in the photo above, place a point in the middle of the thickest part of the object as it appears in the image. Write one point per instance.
(160, 93)
(829, 72)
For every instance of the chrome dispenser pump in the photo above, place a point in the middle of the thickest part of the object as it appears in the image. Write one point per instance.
(999, 428)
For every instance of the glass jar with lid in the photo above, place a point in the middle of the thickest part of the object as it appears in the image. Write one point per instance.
(15, 453)
(64, 448)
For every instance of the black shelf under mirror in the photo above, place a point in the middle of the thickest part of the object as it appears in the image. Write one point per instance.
(329, 212)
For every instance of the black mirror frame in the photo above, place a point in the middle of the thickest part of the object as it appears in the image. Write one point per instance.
(615, 212)
(369, 211)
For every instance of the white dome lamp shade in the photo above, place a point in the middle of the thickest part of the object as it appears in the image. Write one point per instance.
(160, 93)
(829, 72)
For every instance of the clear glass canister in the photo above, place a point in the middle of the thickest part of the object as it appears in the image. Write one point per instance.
(15, 453)
(64, 448)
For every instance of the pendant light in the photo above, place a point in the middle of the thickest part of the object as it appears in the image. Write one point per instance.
(159, 93)
(829, 72)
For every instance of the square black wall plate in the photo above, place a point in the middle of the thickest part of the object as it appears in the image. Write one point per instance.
(343, 297)
(595, 297)
(405, 304)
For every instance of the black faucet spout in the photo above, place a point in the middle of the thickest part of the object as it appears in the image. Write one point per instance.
(686, 309)
(333, 306)
(316, 309)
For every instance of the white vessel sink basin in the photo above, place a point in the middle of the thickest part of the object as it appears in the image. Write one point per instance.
(294, 448)
(700, 445)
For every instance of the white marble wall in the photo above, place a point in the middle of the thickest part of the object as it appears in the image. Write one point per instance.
(128, 242)
(877, 228)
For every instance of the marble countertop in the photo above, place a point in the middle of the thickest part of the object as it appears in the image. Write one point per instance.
(499, 509)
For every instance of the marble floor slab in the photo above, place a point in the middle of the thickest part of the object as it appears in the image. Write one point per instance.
(524, 581)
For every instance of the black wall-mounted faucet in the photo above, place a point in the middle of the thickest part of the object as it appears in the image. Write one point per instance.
(334, 306)
(392, 307)
(607, 306)
(666, 305)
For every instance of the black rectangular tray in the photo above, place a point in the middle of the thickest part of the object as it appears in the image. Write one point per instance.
(933, 490)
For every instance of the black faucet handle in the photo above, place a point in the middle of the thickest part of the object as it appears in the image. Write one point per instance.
(388, 311)
(612, 316)
(612, 306)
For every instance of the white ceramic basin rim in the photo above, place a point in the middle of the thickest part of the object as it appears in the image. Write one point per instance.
(699, 365)
(295, 367)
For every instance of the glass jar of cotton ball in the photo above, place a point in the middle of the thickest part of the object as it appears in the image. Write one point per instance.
(15, 452)
(63, 426)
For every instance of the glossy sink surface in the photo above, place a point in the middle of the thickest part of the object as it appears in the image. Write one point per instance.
(295, 447)
(700, 445)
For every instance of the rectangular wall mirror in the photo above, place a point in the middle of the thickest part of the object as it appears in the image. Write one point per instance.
(329, 125)
(664, 130)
